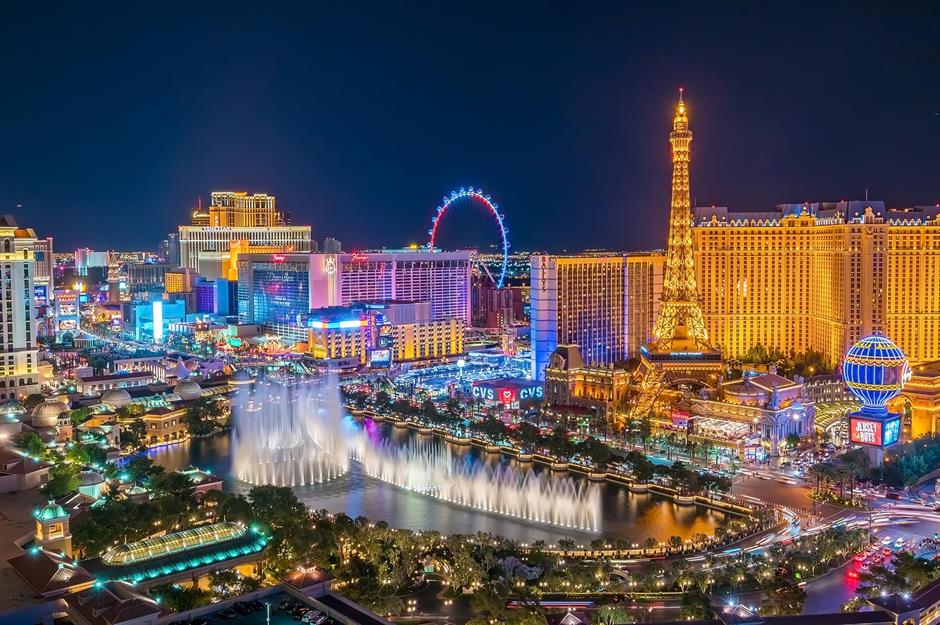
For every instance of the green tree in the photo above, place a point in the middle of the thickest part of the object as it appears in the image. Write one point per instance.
(174, 484)
(135, 434)
(32, 400)
(784, 597)
(179, 599)
(696, 605)
(229, 583)
(203, 416)
(80, 415)
(32, 444)
(62, 481)
(141, 468)
(383, 402)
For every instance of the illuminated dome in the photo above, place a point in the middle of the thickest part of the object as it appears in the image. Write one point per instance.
(46, 414)
(188, 390)
(875, 370)
(116, 397)
(50, 511)
(90, 478)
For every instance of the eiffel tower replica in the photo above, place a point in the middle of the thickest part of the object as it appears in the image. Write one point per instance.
(679, 350)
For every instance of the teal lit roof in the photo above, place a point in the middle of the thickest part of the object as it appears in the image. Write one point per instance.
(177, 553)
(51, 511)
(149, 548)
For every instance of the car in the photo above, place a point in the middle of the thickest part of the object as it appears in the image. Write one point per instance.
(852, 574)
(227, 614)
(859, 557)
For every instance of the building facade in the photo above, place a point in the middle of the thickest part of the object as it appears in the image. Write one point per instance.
(19, 372)
(198, 240)
(441, 278)
(273, 288)
(820, 276)
(238, 209)
(604, 304)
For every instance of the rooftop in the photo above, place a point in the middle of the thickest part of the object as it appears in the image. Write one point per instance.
(48, 573)
(151, 548)
(177, 553)
(112, 603)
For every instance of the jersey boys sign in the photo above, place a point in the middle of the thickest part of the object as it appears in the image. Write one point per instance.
(874, 432)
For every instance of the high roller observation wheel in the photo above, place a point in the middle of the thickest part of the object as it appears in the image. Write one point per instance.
(475, 195)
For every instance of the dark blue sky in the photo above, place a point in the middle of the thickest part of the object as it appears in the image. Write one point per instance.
(360, 115)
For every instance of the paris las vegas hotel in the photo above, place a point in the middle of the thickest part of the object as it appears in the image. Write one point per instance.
(802, 276)
(820, 276)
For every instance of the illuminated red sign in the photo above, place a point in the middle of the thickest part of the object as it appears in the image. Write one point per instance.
(278, 258)
(865, 432)
(358, 257)
(878, 432)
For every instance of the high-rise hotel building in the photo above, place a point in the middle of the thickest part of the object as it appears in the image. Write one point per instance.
(441, 278)
(820, 276)
(237, 216)
(19, 373)
(603, 303)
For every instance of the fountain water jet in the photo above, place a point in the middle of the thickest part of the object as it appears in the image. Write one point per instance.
(288, 432)
(432, 469)
(291, 432)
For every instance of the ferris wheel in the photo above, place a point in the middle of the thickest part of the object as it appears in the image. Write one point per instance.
(468, 196)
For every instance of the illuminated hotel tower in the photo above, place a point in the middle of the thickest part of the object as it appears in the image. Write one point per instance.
(679, 347)
(19, 359)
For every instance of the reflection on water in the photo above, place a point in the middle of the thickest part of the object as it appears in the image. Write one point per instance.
(631, 516)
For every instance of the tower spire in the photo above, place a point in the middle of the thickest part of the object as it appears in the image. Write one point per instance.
(680, 325)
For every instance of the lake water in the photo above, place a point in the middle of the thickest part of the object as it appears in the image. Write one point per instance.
(627, 515)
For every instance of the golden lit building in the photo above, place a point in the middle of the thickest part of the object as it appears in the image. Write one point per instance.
(820, 276)
(604, 303)
(569, 382)
(235, 223)
(165, 424)
(644, 292)
(238, 209)
(179, 280)
(427, 339)
(19, 356)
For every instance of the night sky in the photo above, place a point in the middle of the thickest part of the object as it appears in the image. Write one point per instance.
(359, 116)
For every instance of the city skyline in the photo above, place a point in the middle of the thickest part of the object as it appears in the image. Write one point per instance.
(267, 117)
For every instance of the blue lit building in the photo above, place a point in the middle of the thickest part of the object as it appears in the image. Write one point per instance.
(149, 321)
(273, 288)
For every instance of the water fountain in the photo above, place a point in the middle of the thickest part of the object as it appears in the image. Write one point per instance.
(291, 432)
(431, 468)
(288, 432)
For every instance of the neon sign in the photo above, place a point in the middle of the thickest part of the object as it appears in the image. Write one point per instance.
(874, 432)
(358, 257)
(531, 392)
(278, 258)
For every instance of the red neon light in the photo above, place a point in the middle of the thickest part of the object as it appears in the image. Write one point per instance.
(278, 258)
(358, 257)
